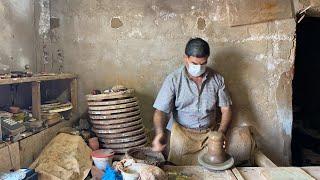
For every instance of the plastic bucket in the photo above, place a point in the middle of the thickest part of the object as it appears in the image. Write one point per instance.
(102, 158)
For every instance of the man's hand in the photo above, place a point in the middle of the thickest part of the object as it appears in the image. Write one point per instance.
(159, 142)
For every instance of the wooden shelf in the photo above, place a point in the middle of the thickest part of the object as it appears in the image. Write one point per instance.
(36, 91)
(37, 78)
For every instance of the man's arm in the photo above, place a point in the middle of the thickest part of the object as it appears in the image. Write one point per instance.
(160, 121)
(225, 119)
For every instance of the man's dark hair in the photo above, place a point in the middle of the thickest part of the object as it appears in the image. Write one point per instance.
(197, 47)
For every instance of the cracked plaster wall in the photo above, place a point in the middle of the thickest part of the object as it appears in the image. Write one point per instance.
(137, 43)
(17, 34)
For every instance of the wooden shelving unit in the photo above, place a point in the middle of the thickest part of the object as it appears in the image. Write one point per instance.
(25, 150)
(36, 89)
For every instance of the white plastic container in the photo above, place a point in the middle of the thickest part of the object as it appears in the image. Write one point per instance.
(102, 158)
(132, 172)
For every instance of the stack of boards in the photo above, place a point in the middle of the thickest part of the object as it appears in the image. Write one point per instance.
(116, 120)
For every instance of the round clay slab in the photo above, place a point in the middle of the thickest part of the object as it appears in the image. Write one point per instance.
(115, 111)
(124, 150)
(115, 121)
(113, 131)
(115, 116)
(112, 107)
(115, 95)
(117, 126)
(204, 160)
(126, 145)
(112, 102)
(123, 140)
(119, 135)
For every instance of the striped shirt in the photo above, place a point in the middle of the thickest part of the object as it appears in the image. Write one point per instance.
(190, 106)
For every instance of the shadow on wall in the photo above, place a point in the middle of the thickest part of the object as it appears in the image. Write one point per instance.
(146, 105)
(230, 63)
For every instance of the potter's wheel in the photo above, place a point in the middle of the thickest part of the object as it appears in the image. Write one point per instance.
(204, 160)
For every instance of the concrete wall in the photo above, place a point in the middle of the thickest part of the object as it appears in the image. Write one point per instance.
(137, 43)
(17, 34)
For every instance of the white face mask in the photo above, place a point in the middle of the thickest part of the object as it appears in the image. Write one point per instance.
(196, 70)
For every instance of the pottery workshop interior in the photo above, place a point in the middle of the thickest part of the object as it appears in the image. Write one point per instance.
(159, 89)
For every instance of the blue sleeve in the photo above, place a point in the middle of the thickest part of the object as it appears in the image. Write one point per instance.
(165, 99)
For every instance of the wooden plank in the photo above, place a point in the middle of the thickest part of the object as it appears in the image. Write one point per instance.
(194, 172)
(313, 171)
(243, 12)
(231, 175)
(36, 100)
(74, 95)
(37, 78)
(257, 173)
(7, 154)
(262, 160)
(293, 173)
(237, 174)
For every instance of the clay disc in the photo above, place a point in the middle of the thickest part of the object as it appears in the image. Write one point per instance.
(112, 131)
(112, 102)
(108, 117)
(113, 95)
(119, 106)
(204, 160)
(124, 150)
(115, 111)
(123, 140)
(115, 121)
(117, 126)
(119, 135)
(126, 145)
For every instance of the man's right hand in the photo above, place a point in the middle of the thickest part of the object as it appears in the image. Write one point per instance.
(159, 142)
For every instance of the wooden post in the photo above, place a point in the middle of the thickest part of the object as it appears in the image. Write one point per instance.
(74, 95)
(36, 100)
(262, 160)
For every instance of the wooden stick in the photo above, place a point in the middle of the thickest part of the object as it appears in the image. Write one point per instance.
(262, 160)
(36, 100)
(237, 174)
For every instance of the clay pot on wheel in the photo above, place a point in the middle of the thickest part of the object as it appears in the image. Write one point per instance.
(216, 151)
(93, 143)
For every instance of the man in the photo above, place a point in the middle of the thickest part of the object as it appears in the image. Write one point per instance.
(190, 95)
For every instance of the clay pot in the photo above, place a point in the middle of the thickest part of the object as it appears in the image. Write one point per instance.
(216, 151)
(93, 143)
(14, 109)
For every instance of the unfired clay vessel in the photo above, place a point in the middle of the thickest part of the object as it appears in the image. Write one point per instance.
(216, 151)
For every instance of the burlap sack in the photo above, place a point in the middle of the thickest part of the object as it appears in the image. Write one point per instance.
(65, 157)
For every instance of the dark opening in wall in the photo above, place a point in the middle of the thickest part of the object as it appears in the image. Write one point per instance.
(306, 94)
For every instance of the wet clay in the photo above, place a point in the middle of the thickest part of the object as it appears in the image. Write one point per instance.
(216, 151)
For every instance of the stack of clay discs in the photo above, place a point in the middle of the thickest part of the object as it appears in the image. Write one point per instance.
(116, 120)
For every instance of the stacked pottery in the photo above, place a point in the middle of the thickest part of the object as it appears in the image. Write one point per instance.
(116, 120)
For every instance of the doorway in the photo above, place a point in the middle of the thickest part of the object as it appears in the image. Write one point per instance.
(306, 94)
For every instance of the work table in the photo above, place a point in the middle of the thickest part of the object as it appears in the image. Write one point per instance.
(240, 173)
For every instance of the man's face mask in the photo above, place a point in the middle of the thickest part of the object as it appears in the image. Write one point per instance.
(196, 70)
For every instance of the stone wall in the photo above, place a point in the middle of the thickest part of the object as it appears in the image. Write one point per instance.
(17, 34)
(138, 43)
